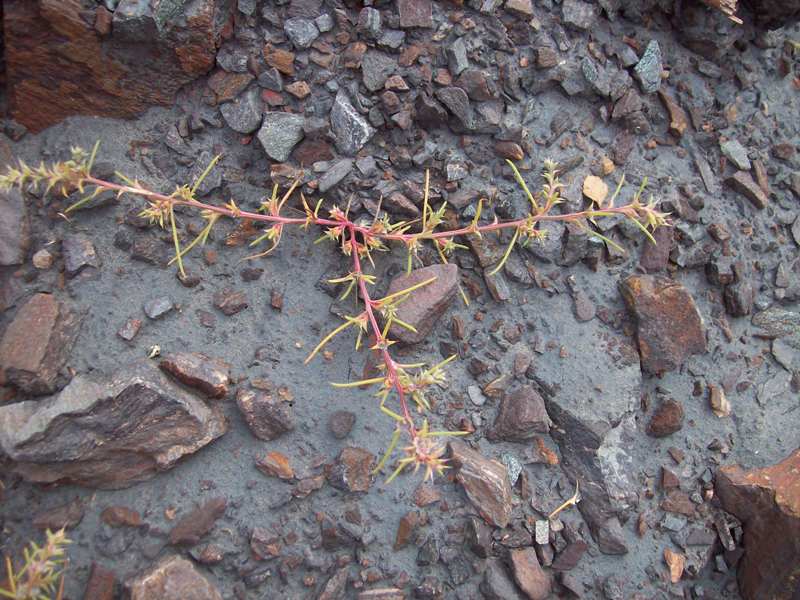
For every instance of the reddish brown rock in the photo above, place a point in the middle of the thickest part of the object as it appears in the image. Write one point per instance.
(267, 417)
(101, 584)
(529, 575)
(173, 578)
(424, 306)
(66, 516)
(415, 13)
(570, 556)
(200, 521)
(58, 64)
(678, 119)
(209, 375)
(37, 343)
(655, 257)
(485, 483)
(406, 529)
(230, 301)
(107, 433)
(121, 516)
(667, 419)
(743, 183)
(521, 416)
(275, 464)
(226, 86)
(352, 471)
(283, 60)
(767, 501)
(669, 326)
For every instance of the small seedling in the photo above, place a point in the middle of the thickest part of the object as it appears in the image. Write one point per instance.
(41, 575)
(398, 382)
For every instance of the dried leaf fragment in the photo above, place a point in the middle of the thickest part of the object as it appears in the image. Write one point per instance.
(595, 189)
(675, 561)
(719, 403)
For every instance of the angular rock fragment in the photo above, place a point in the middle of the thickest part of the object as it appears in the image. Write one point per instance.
(341, 423)
(743, 183)
(155, 308)
(375, 69)
(669, 326)
(578, 14)
(350, 130)
(667, 419)
(66, 516)
(457, 102)
(521, 416)
(101, 585)
(209, 375)
(79, 252)
(415, 13)
(352, 471)
(173, 578)
(267, 417)
(529, 575)
(36, 344)
(648, 70)
(108, 433)
(14, 228)
(230, 301)
(425, 305)
(485, 483)
(243, 115)
(767, 501)
(280, 132)
(190, 529)
(275, 464)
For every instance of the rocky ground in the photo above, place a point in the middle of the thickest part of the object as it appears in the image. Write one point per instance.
(171, 425)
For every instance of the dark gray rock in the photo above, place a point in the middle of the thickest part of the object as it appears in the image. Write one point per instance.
(335, 174)
(369, 22)
(457, 57)
(648, 70)
(14, 228)
(736, 153)
(233, 59)
(457, 102)
(271, 79)
(350, 130)
(376, 68)
(580, 15)
(212, 180)
(243, 115)
(301, 32)
(107, 433)
(79, 252)
(280, 132)
(497, 584)
(156, 308)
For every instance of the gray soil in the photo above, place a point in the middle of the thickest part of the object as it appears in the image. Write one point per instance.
(756, 434)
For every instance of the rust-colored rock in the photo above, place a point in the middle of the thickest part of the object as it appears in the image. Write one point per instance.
(743, 183)
(107, 433)
(190, 529)
(529, 575)
(767, 501)
(209, 375)
(275, 464)
(423, 307)
(36, 345)
(58, 64)
(521, 416)
(121, 516)
(173, 578)
(352, 471)
(101, 584)
(266, 416)
(667, 419)
(485, 483)
(670, 328)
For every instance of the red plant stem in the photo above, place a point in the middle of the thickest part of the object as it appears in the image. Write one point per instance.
(380, 340)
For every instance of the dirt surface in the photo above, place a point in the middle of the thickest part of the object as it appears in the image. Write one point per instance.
(264, 343)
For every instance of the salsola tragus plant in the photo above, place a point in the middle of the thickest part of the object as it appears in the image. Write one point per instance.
(41, 575)
(406, 384)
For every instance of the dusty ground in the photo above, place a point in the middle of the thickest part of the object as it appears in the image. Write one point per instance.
(757, 433)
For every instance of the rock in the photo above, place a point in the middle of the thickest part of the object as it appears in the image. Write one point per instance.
(485, 483)
(66, 516)
(209, 375)
(529, 575)
(406, 529)
(101, 585)
(496, 584)
(578, 14)
(155, 308)
(14, 228)
(424, 306)
(667, 419)
(669, 326)
(415, 13)
(736, 153)
(369, 22)
(190, 529)
(655, 257)
(78, 251)
(350, 130)
(107, 433)
(429, 113)
(282, 60)
(457, 57)
(130, 329)
(570, 556)
(41, 259)
(776, 322)
(301, 32)
(678, 119)
(521, 416)
(37, 344)
(341, 423)
(773, 14)
(352, 471)
(376, 68)
(335, 174)
(648, 70)
(267, 417)
(767, 501)
(743, 183)
(243, 115)
(523, 8)
(230, 301)
(57, 65)
(275, 464)
(280, 132)
(457, 102)
(121, 516)
(173, 578)
(226, 86)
